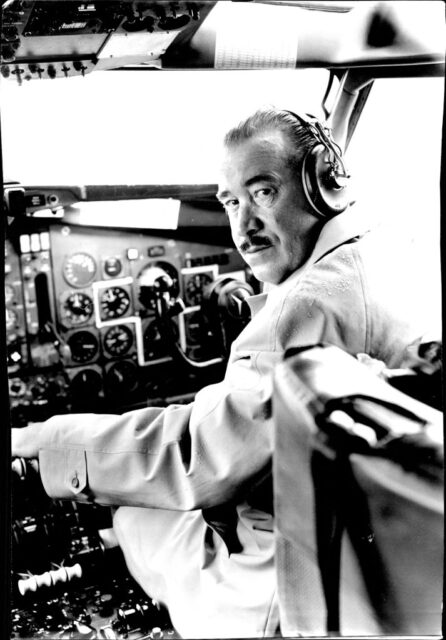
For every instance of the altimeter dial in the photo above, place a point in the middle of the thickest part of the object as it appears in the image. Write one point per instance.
(78, 308)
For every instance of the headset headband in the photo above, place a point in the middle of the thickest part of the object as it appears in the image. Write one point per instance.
(323, 135)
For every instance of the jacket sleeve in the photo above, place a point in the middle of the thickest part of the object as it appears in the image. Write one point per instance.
(182, 457)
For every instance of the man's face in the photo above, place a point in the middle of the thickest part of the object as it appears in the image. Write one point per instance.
(270, 224)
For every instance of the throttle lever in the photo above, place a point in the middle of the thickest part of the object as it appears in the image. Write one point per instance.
(24, 466)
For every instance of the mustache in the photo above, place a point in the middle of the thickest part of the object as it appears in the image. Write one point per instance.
(255, 241)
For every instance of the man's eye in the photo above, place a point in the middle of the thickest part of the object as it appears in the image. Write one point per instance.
(264, 196)
(230, 205)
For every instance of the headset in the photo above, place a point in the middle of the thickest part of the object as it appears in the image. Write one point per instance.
(324, 175)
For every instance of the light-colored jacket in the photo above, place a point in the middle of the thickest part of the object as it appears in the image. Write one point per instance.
(352, 292)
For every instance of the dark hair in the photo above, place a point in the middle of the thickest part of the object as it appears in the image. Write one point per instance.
(300, 137)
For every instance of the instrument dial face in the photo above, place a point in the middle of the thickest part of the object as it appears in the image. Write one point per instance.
(118, 340)
(172, 272)
(155, 346)
(122, 377)
(194, 287)
(114, 303)
(158, 271)
(112, 266)
(78, 308)
(17, 388)
(86, 384)
(84, 345)
(79, 269)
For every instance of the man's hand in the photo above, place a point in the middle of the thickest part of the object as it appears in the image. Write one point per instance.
(25, 442)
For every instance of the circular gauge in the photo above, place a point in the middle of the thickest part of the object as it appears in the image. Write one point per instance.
(11, 319)
(154, 344)
(9, 293)
(78, 308)
(112, 266)
(194, 287)
(115, 301)
(159, 273)
(83, 345)
(79, 269)
(17, 387)
(118, 340)
(172, 272)
(86, 384)
(122, 377)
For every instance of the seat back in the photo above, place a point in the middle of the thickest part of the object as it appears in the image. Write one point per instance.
(358, 491)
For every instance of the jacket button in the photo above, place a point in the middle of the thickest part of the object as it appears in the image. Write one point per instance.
(75, 481)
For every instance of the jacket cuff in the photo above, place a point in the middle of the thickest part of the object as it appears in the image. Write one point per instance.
(64, 473)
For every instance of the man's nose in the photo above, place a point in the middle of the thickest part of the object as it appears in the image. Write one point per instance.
(248, 220)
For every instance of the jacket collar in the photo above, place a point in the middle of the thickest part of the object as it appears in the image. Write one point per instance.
(336, 231)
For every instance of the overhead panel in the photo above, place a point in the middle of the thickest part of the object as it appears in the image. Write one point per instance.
(47, 40)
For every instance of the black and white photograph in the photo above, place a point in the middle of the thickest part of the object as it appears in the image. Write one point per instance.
(222, 364)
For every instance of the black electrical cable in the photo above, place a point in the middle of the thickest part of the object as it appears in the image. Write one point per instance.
(166, 329)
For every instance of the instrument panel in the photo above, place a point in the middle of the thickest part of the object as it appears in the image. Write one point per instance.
(85, 315)
(77, 320)
(48, 40)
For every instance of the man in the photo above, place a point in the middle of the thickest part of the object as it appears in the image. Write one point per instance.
(194, 482)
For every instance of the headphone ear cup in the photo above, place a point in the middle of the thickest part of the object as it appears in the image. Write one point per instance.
(324, 196)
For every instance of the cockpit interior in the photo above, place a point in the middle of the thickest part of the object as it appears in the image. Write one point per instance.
(123, 288)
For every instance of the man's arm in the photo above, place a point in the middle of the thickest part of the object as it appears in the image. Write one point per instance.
(25, 442)
(183, 457)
